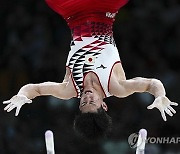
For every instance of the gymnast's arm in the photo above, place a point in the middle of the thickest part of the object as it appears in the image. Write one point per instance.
(62, 90)
(152, 86)
(138, 84)
(59, 90)
(43, 89)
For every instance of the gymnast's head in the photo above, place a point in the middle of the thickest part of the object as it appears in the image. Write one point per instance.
(92, 124)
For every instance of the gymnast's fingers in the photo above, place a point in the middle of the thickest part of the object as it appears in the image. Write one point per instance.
(168, 112)
(6, 102)
(163, 115)
(173, 103)
(11, 108)
(8, 106)
(171, 109)
(17, 111)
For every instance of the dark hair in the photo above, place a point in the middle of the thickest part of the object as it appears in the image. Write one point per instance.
(93, 126)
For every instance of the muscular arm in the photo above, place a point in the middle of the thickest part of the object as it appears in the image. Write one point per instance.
(30, 91)
(42, 89)
(62, 90)
(152, 86)
(128, 87)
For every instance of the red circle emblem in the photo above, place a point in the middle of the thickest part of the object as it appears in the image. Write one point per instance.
(90, 59)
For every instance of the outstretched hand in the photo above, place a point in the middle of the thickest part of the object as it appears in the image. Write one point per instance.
(17, 102)
(164, 105)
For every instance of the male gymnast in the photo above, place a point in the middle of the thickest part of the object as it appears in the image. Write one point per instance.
(93, 69)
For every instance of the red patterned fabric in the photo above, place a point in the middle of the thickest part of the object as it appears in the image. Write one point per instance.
(76, 12)
(91, 29)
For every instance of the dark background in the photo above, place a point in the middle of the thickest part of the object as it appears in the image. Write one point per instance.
(34, 44)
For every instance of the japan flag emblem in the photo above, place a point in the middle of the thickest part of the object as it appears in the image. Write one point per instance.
(90, 59)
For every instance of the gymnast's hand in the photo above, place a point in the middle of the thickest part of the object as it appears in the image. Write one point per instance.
(17, 102)
(164, 105)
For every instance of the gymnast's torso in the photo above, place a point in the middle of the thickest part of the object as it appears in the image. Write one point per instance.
(93, 49)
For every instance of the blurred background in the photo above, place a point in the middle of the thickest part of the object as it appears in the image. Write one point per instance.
(34, 44)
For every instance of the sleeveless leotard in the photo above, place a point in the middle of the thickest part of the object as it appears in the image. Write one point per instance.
(92, 47)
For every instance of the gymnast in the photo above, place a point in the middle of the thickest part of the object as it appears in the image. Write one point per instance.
(93, 69)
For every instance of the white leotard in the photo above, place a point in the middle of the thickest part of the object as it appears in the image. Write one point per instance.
(96, 54)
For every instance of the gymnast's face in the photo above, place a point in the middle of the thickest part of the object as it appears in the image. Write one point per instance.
(91, 101)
